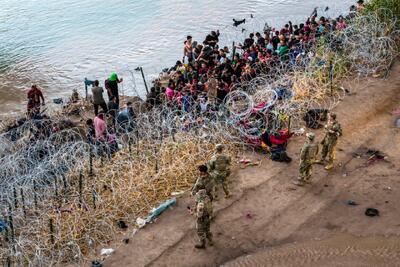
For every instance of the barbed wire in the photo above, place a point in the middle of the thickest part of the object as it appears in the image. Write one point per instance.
(62, 196)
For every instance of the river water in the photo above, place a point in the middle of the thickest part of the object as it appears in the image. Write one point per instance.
(57, 43)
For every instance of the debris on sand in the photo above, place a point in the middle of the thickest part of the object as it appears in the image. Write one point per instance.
(371, 155)
(351, 203)
(247, 162)
(371, 212)
(160, 209)
(106, 251)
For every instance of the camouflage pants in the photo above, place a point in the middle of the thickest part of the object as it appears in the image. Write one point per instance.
(220, 181)
(329, 149)
(305, 171)
(203, 228)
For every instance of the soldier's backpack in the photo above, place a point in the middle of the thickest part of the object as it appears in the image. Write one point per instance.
(221, 163)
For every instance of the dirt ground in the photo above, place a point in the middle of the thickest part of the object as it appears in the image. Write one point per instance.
(270, 222)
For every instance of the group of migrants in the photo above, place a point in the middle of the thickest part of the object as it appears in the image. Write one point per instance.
(198, 85)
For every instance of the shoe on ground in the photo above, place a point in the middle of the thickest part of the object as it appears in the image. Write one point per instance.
(200, 246)
(298, 183)
(328, 167)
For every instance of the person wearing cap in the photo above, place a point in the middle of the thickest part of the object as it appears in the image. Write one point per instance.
(219, 168)
(111, 85)
(307, 159)
(333, 131)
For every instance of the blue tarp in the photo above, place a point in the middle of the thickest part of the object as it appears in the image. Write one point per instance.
(160, 209)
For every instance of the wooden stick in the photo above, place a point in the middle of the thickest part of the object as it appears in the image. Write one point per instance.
(51, 227)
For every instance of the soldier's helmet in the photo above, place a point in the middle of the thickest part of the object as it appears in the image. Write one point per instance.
(219, 147)
(332, 115)
(310, 136)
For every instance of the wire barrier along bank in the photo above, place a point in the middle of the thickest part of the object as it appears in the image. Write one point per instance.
(61, 197)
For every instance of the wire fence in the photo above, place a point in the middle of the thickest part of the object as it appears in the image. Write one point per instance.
(61, 196)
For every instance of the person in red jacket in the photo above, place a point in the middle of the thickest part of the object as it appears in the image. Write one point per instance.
(34, 96)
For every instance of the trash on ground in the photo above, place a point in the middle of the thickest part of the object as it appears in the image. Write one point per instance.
(247, 162)
(372, 155)
(96, 264)
(397, 123)
(351, 203)
(121, 224)
(388, 188)
(160, 209)
(300, 131)
(134, 232)
(244, 161)
(396, 111)
(106, 251)
(371, 212)
(174, 194)
(140, 222)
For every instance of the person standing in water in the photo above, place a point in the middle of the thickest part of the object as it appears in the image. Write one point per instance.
(34, 96)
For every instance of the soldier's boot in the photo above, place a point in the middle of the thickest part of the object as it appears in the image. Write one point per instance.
(320, 161)
(210, 240)
(201, 244)
(299, 182)
(226, 191)
(329, 166)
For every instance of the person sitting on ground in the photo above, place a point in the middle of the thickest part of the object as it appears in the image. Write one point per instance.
(276, 145)
(100, 127)
(34, 96)
(112, 143)
(126, 118)
(98, 99)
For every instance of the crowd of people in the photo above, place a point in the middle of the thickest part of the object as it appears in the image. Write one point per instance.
(208, 72)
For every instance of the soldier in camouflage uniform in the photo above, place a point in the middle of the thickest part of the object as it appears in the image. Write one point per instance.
(307, 159)
(219, 167)
(332, 132)
(204, 181)
(203, 220)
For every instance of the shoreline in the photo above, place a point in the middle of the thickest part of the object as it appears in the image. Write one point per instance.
(167, 140)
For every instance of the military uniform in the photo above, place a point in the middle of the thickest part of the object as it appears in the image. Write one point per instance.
(332, 132)
(307, 159)
(219, 169)
(204, 182)
(203, 219)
